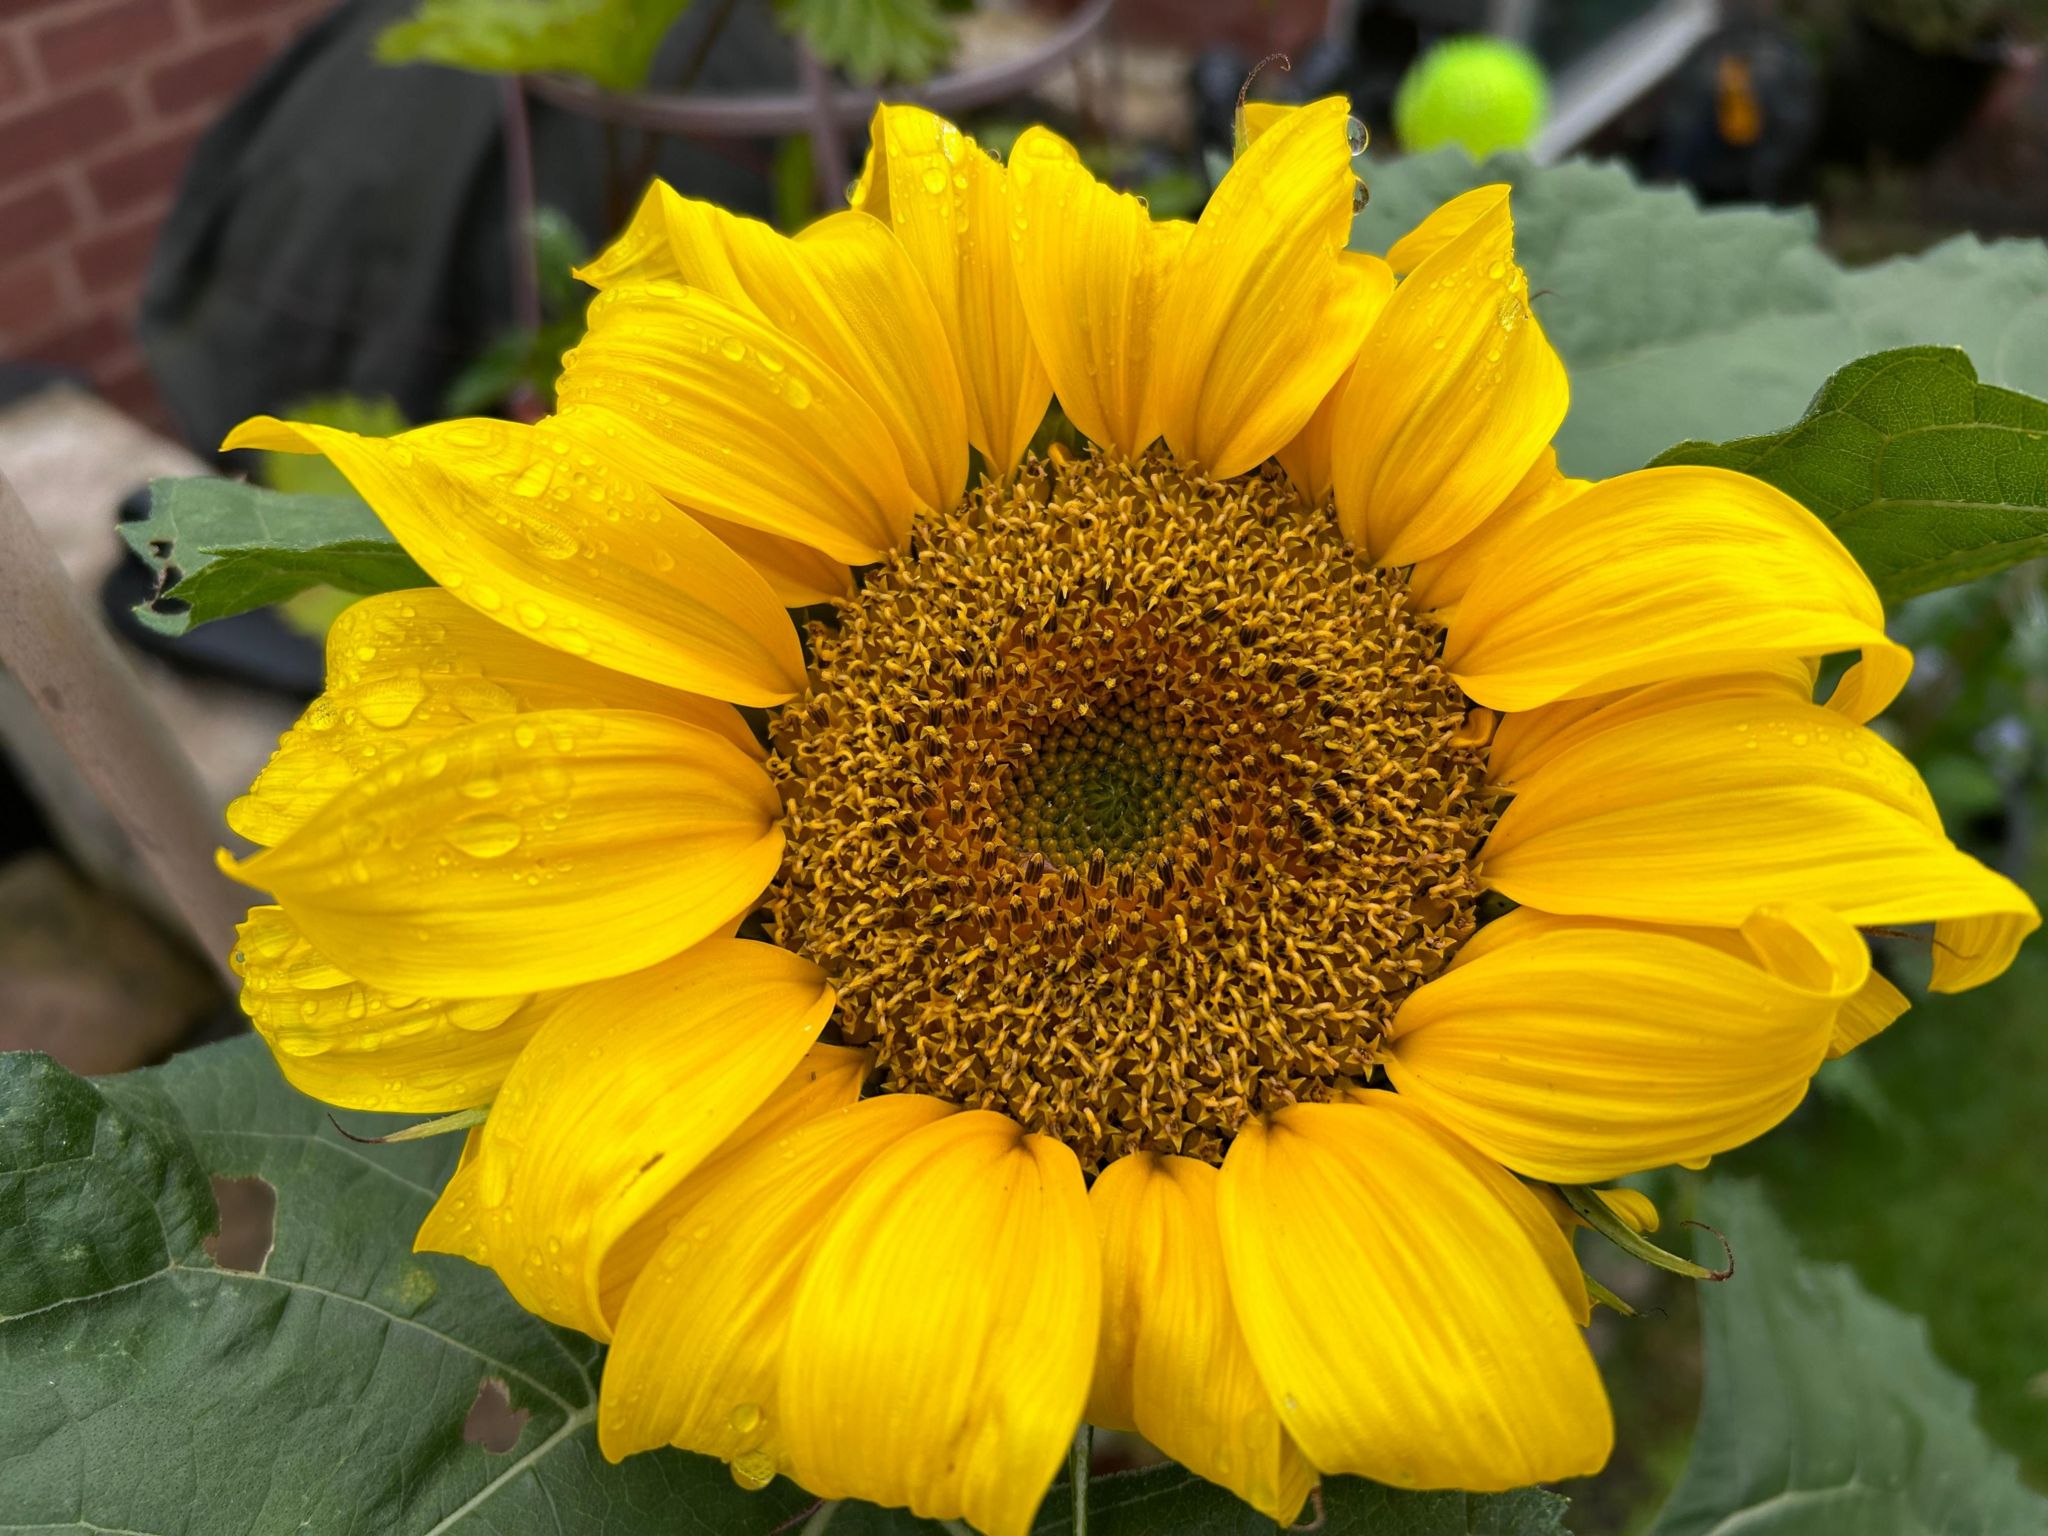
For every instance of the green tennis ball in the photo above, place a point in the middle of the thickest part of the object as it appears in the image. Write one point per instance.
(1477, 92)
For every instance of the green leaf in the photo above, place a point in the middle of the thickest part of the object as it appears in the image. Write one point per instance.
(221, 547)
(320, 1380)
(1678, 322)
(150, 1389)
(1930, 478)
(874, 40)
(1168, 1499)
(1825, 1411)
(612, 42)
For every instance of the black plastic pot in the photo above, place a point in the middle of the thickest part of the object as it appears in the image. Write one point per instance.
(1888, 98)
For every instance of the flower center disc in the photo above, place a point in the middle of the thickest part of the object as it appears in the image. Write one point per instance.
(1127, 803)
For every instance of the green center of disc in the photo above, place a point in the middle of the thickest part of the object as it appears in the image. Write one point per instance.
(1108, 785)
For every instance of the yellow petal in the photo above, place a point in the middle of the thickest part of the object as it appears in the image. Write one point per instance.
(1455, 394)
(1583, 1052)
(1395, 1296)
(946, 201)
(1701, 813)
(1530, 738)
(626, 1087)
(535, 851)
(1439, 580)
(407, 668)
(1092, 269)
(828, 1078)
(698, 1352)
(1870, 1012)
(1310, 458)
(360, 1047)
(843, 288)
(724, 414)
(1665, 573)
(942, 1336)
(532, 528)
(1256, 117)
(1443, 226)
(1171, 1362)
(1264, 313)
(796, 573)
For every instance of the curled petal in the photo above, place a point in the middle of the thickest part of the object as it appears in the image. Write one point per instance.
(1398, 1299)
(1093, 270)
(361, 1047)
(1455, 393)
(941, 1338)
(627, 1086)
(529, 852)
(1574, 1052)
(1666, 573)
(1698, 813)
(1264, 313)
(529, 526)
(1171, 1362)
(725, 414)
(946, 200)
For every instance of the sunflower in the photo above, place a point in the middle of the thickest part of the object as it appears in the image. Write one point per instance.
(1206, 885)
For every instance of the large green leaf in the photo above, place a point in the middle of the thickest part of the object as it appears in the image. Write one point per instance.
(1825, 1411)
(1167, 1501)
(612, 42)
(149, 1389)
(222, 547)
(324, 1385)
(1678, 322)
(1929, 477)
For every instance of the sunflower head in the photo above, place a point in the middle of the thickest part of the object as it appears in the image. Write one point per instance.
(1206, 887)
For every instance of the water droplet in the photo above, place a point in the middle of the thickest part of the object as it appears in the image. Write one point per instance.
(797, 393)
(1356, 135)
(1361, 194)
(934, 180)
(753, 1469)
(746, 1418)
(485, 837)
(390, 704)
(532, 615)
(733, 348)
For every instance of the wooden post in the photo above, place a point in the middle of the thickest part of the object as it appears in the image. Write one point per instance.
(57, 649)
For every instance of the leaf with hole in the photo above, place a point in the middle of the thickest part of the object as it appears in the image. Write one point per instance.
(222, 547)
(211, 1319)
(300, 1370)
(1825, 1411)
(1928, 476)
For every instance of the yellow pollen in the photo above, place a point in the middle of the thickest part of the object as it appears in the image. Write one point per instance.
(1128, 803)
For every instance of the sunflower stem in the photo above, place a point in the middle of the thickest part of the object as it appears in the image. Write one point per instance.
(1077, 1474)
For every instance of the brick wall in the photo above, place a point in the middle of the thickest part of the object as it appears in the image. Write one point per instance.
(100, 104)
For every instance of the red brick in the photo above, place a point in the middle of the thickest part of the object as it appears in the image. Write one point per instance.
(115, 261)
(111, 37)
(31, 220)
(85, 345)
(208, 77)
(236, 10)
(65, 129)
(130, 177)
(13, 74)
(31, 293)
